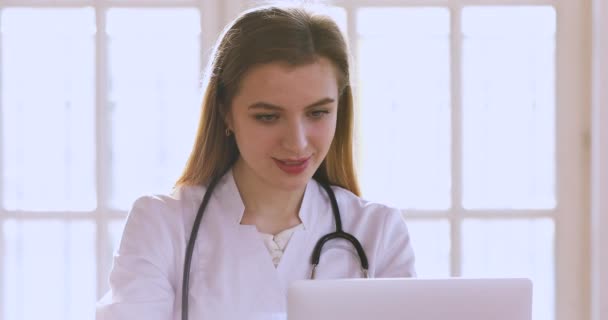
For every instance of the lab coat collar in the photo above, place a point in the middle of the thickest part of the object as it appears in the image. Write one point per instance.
(232, 203)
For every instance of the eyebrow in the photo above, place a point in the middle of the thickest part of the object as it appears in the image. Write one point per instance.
(269, 106)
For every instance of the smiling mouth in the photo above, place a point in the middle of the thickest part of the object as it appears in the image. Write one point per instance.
(293, 162)
(293, 166)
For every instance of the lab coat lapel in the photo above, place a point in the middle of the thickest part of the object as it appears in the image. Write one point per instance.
(254, 263)
(295, 262)
(268, 285)
(229, 200)
(216, 272)
(264, 287)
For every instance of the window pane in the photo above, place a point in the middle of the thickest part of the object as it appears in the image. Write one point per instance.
(49, 270)
(509, 107)
(431, 243)
(507, 248)
(404, 107)
(115, 228)
(48, 127)
(154, 98)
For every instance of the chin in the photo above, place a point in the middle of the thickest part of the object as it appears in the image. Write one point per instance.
(292, 182)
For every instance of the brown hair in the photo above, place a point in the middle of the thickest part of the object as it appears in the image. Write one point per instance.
(294, 36)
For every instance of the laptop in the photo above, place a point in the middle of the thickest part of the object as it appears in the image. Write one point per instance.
(410, 299)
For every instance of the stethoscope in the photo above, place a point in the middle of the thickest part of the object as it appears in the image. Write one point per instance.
(316, 253)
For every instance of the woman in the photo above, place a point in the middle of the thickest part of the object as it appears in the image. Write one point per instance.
(276, 127)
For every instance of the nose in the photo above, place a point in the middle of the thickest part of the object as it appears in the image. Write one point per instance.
(295, 137)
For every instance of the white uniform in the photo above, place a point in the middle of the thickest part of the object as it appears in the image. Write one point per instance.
(232, 274)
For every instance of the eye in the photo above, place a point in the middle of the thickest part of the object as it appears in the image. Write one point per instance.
(318, 113)
(266, 117)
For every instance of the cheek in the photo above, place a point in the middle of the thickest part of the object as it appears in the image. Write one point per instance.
(255, 139)
(322, 133)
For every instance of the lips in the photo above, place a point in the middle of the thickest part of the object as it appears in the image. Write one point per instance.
(293, 166)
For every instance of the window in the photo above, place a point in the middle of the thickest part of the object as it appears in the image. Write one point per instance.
(504, 182)
(469, 119)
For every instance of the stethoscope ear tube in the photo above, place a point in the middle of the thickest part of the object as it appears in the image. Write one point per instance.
(190, 247)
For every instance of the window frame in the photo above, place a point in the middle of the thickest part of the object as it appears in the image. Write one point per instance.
(599, 158)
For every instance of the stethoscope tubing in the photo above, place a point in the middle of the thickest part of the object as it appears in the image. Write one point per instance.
(315, 257)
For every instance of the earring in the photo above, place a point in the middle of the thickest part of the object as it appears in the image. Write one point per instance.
(227, 132)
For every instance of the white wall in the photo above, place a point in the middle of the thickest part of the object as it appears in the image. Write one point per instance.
(599, 173)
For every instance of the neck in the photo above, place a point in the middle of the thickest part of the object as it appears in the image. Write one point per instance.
(269, 208)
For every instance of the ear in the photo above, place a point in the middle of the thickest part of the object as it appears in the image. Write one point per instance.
(228, 121)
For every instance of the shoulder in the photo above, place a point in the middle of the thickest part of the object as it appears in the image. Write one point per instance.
(359, 206)
(162, 215)
(155, 229)
(167, 205)
(361, 215)
(384, 233)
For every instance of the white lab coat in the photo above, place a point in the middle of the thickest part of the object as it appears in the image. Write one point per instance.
(232, 274)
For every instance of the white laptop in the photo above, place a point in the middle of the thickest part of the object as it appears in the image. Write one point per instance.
(410, 299)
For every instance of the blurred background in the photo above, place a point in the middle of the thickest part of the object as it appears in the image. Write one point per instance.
(479, 118)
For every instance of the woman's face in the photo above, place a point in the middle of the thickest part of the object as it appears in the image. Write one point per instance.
(284, 120)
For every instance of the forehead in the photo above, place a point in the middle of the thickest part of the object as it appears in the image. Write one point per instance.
(287, 85)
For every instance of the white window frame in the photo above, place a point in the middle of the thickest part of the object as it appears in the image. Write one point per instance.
(599, 163)
(572, 263)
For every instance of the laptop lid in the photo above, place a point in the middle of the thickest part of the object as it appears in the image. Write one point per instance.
(411, 299)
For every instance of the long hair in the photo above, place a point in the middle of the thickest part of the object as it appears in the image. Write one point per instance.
(294, 36)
